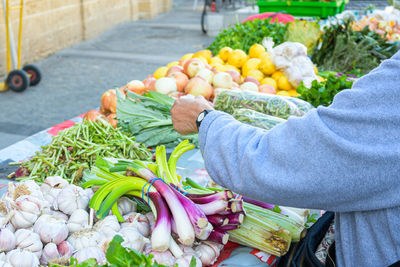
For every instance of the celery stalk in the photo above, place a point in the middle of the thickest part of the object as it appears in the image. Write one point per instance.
(261, 233)
(296, 230)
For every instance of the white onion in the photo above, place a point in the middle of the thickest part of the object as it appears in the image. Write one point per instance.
(166, 85)
(249, 86)
(222, 80)
(206, 74)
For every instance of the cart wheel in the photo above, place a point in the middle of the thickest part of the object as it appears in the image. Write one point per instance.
(34, 74)
(18, 80)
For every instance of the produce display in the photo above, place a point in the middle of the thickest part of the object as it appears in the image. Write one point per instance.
(106, 193)
(75, 149)
(347, 50)
(384, 22)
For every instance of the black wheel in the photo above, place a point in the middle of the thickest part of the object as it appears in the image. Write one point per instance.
(34, 74)
(18, 80)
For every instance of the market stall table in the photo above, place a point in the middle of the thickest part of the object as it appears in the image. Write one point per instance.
(232, 255)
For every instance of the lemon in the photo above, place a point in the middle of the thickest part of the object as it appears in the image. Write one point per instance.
(216, 60)
(293, 93)
(230, 67)
(173, 63)
(160, 72)
(276, 75)
(256, 51)
(283, 93)
(187, 56)
(224, 53)
(218, 67)
(266, 65)
(284, 84)
(237, 58)
(256, 74)
(251, 64)
(203, 53)
(269, 81)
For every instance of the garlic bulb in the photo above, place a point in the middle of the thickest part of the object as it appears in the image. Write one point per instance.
(5, 264)
(22, 258)
(2, 256)
(5, 215)
(51, 229)
(30, 241)
(71, 198)
(89, 253)
(51, 188)
(208, 252)
(58, 214)
(83, 239)
(51, 197)
(133, 239)
(7, 240)
(104, 243)
(164, 258)
(186, 259)
(138, 221)
(29, 187)
(78, 221)
(109, 226)
(56, 182)
(26, 212)
(89, 192)
(125, 205)
(59, 254)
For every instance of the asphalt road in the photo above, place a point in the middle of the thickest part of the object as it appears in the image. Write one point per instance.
(75, 78)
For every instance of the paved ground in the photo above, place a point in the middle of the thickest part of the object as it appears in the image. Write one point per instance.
(75, 78)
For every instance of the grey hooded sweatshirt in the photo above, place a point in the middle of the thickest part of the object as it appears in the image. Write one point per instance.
(343, 158)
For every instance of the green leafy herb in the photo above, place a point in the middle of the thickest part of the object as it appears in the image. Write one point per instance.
(347, 50)
(322, 93)
(243, 36)
(311, 218)
(148, 118)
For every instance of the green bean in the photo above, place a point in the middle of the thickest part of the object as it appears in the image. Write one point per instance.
(75, 149)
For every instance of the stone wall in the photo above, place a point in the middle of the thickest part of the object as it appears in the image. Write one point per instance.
(51, 25)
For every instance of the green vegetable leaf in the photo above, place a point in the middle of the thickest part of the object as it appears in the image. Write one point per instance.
(305, 32)
(311, 219)
(277, 209)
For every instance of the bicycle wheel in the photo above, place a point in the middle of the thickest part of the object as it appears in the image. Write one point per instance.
(203, 16)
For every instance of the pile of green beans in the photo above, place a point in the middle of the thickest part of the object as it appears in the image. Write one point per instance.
(75, 149)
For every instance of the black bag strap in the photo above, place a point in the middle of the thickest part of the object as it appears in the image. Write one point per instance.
(302, 254)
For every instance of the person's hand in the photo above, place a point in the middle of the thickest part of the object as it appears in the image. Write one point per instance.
(184, 113)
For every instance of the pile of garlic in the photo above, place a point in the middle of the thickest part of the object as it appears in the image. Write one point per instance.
(52, 222)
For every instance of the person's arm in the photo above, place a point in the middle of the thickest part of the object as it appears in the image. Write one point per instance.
(345, 157)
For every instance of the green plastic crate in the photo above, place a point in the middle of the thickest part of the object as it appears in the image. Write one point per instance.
(303, 9)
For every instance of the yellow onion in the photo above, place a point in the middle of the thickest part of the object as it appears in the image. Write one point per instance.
(181, 80)
(109, 102)
(199, 86)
